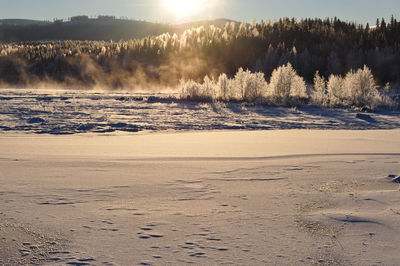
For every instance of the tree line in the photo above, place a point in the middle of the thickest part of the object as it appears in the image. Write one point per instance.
(329, 46)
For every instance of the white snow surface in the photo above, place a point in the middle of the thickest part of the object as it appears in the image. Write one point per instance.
(70, 112)
(103, 178)
(272, 197)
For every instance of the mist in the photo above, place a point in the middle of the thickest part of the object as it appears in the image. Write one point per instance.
(160, 62)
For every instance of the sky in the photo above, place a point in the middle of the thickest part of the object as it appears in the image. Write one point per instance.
(177, 11)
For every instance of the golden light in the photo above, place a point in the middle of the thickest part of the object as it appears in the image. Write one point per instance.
(183, 8)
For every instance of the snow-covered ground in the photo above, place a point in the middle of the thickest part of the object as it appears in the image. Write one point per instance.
(66, 112)
(163, 186)
(274, 197)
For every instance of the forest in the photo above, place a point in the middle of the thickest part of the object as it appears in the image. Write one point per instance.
(329, 46)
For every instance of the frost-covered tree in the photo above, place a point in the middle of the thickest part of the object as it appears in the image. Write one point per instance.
(286, 86)
(360, 86)
(245, 86)
(330, 46)
(192, 90)
(357, 89)
(336, 90)
(224, 86)
(319, 94)
(249, 86)
(270, 60)
(209, 88)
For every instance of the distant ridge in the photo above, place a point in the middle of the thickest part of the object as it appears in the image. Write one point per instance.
(84, 28)
(22, 22)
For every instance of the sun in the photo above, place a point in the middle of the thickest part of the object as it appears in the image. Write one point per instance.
(182, 8)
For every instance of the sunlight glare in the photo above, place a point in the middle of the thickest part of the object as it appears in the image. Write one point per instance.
(182, 8)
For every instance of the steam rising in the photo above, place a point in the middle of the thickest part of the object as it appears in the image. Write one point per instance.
(160, 62)
(140, 65)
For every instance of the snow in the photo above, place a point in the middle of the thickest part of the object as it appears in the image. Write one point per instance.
(127, 179)
(70, 112)
(280, 197)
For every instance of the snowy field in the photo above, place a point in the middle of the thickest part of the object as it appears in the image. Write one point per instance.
(277, 197)
(63, 112)
(142, 185)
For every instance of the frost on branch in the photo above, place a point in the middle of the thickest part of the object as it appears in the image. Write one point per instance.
(286, 86)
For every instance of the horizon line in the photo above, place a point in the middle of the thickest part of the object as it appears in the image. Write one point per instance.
(67, 19)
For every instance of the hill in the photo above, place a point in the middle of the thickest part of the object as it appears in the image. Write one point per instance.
(22, 22)
(95, 29)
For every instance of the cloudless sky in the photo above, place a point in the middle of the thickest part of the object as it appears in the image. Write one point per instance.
(361, 11)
